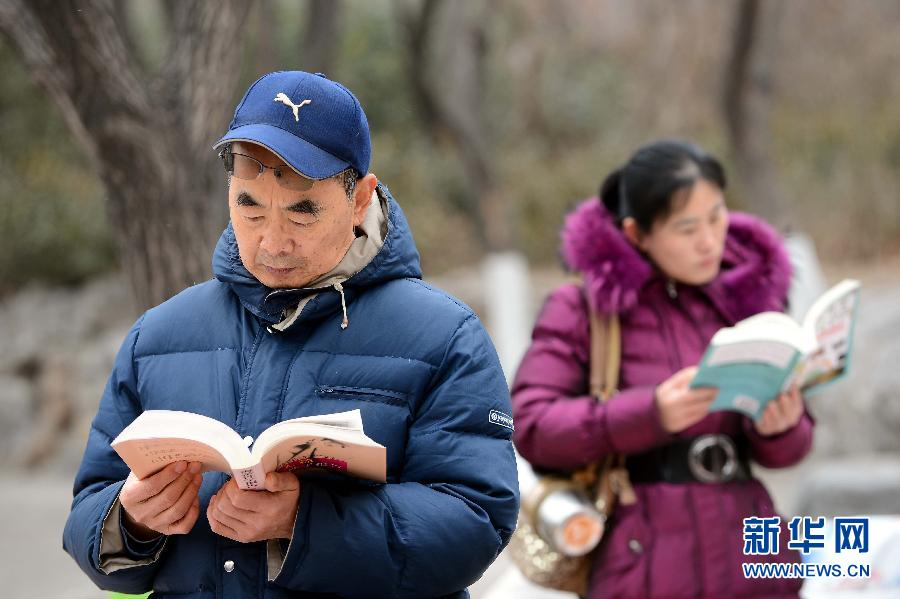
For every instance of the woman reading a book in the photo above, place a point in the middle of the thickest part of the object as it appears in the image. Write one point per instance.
(660, 250)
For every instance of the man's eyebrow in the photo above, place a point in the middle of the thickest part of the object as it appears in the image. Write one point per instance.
(245, 199)
(305, 206)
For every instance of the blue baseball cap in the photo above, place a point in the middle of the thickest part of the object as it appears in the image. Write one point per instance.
(311, 122)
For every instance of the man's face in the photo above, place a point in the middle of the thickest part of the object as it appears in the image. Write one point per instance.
(289, 238)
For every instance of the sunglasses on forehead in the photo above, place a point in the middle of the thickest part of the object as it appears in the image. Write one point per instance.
(249, 168)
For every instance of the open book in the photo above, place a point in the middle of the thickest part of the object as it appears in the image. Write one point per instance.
(333, 442)
(764, 355)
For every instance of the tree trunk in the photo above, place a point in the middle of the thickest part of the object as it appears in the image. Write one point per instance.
(320, 44)
(747, 103)
(451, 99)
(149, 137)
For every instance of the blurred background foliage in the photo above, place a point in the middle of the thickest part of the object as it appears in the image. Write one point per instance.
(569, 90)
(52, 222)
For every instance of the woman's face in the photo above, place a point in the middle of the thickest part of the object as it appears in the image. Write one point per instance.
(687, 246)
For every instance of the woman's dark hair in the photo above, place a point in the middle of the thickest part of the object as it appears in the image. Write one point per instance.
(649, 185)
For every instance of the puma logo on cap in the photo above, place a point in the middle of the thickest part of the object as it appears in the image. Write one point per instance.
(282, 97)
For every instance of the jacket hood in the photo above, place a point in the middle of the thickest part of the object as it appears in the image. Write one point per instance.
(398, 258)
(755, 273)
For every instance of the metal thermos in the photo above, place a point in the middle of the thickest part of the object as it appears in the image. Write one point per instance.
(569, 522)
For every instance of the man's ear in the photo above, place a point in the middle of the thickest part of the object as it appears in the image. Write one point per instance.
(362, 197)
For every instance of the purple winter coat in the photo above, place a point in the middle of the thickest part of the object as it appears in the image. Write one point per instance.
(678, 540)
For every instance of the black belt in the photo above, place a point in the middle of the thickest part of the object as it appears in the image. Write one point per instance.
(705, 459)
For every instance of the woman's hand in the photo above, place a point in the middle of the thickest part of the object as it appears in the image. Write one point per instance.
(680, 406)
(782, 414)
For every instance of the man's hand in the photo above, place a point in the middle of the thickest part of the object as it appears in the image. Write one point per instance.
(248, 516)
(164, 503)
(782, 414)
(680, 406)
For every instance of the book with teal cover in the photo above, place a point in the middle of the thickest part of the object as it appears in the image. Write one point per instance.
(762, 356)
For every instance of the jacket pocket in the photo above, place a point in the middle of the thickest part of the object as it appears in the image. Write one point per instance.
(620, 564)
(385, 396)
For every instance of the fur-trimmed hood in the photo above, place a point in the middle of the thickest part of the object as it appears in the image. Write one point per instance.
(755, 274)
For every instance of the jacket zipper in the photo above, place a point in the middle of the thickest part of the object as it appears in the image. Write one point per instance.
(392, 397)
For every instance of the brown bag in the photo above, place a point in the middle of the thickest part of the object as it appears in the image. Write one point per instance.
(605, 482)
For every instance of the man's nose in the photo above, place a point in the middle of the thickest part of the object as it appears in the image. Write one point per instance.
(276, 239)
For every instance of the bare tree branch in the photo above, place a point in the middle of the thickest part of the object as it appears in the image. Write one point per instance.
(320, 43)
(418, 26)
(451, 100)
(26, 34)
(747, 99)
(150, 143)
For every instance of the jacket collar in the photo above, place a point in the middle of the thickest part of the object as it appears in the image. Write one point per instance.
(754, 277)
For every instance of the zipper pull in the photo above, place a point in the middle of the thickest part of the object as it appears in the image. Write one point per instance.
(671, 289)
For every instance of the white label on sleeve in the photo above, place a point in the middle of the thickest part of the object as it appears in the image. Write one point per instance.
(501, 419)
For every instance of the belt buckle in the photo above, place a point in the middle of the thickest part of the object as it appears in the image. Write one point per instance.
(713, 458)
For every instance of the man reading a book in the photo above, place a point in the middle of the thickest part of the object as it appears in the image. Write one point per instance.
(317, 307)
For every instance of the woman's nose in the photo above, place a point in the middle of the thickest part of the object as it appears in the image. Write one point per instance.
(707, 240)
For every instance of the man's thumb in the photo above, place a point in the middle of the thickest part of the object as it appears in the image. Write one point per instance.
(281, 481)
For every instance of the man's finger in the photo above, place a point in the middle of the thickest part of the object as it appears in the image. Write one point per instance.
(184, 526)
(226, 504)
(180, 507)
(155, 483)
(277, 482)
(240, 500)
(170, 495)
(216, 526)
(222, 523)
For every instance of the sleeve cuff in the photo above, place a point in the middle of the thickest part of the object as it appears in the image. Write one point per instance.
(119, 549)
(136, 547)
(784, 449)
(277, 550)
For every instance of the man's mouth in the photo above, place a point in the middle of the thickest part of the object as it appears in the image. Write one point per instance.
(277, 271)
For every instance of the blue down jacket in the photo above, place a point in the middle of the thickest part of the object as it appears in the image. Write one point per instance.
(416, 362)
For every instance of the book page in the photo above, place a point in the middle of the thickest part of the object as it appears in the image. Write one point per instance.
(149, 456)
(252, 478)
(292, 446)
(767, 327)
(832, 320)
(323, 453)
(776, 354)
(351, 419)
(159, 437)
